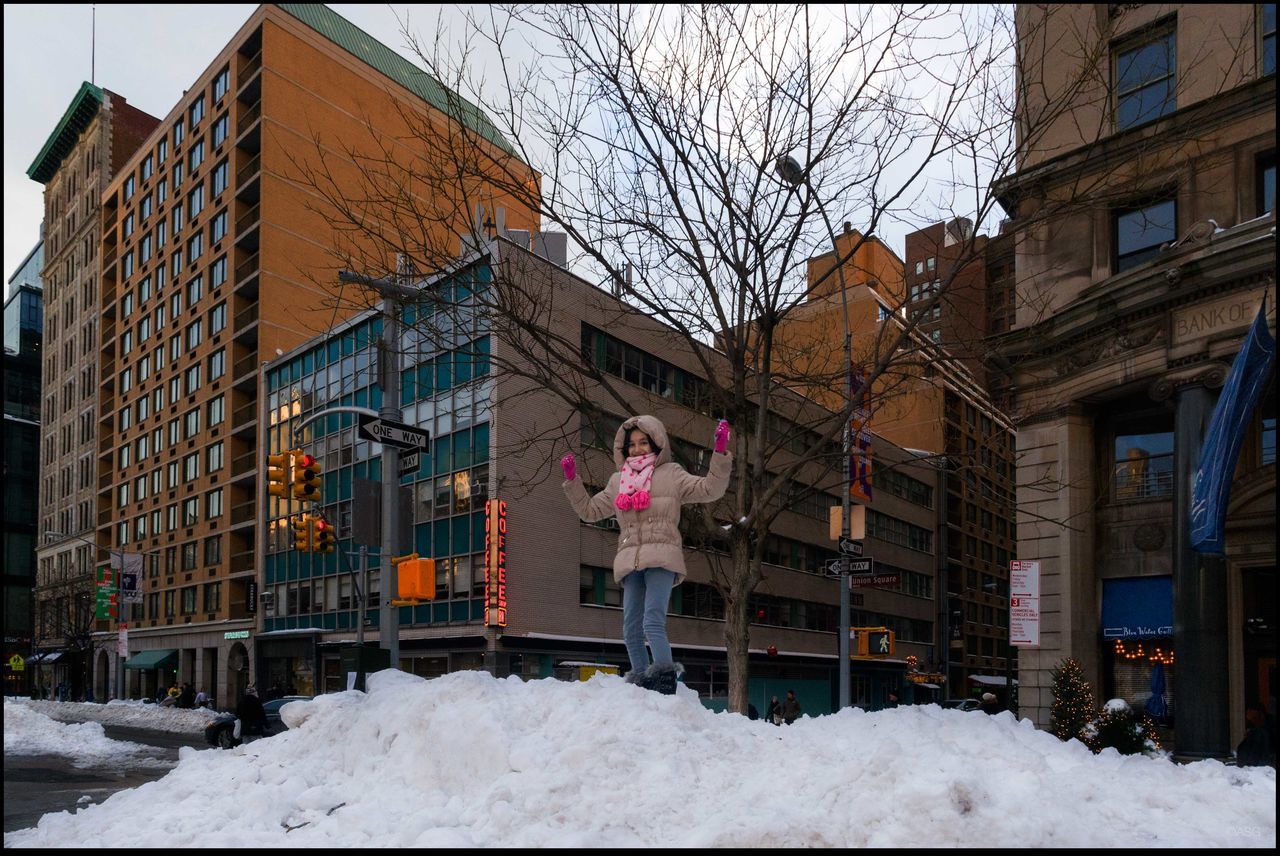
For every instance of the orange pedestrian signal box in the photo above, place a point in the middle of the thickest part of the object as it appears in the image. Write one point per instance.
(417, 579)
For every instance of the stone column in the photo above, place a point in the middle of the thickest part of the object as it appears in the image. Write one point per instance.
(1201, 727)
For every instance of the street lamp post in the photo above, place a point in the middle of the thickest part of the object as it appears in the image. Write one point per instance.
(790, 171)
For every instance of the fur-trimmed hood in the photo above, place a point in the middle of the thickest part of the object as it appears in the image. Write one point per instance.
(650, 425)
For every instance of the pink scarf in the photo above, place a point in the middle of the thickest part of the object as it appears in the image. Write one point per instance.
(634, 481)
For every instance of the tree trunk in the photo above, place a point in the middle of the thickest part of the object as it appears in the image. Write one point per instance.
(737, 628)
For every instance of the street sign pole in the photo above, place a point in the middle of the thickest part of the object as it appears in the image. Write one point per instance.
(389, 626)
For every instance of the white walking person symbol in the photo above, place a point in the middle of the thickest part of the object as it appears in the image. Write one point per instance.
(884, 643)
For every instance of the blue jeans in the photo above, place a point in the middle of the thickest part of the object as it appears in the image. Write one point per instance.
(645, 595)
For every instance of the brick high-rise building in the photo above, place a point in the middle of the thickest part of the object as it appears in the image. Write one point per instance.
(220, 251)
(98, 133)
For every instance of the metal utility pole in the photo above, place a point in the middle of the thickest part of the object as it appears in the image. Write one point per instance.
(791, 172)
(393, 293)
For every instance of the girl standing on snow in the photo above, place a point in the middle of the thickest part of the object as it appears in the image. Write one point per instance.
(646, 494)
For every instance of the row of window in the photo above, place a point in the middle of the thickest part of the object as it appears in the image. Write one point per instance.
(174, 518)
(186, 427)
(150, 484)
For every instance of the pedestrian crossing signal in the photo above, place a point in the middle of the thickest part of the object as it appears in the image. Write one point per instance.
(874, 641)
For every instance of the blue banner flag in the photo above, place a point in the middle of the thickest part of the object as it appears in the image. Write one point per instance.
(1227, 427)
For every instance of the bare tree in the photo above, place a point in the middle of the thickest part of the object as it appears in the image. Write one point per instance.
(653, 139)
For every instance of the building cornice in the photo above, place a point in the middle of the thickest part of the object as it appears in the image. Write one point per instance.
(84, 106)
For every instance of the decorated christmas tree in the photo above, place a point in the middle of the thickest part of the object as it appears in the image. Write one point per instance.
(1120, 728)
(1072, 702)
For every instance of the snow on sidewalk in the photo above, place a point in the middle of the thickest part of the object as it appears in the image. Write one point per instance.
(469, 760)
(131, 714)
(29, 732)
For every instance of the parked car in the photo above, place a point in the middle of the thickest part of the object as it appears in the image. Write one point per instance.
(962, 704)
(220, 732)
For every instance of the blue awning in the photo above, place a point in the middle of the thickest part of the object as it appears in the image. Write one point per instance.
(1137, 608)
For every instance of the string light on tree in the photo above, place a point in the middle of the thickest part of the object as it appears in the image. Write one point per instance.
(1138, 651)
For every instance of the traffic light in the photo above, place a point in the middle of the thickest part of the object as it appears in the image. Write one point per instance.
(874, 641)
(306, 477)
(302, 533)
(278, 474)
(324, 540)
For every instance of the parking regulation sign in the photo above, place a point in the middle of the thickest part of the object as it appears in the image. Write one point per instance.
(1024, 603)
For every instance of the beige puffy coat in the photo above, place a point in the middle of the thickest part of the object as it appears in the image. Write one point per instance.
(651, 538)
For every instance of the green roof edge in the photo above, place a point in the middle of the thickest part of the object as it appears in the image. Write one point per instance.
(44, 164)
(377, 55)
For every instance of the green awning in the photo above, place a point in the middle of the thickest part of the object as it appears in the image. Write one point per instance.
(159, 659)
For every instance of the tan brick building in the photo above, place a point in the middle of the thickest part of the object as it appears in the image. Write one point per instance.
(97, 135)
(219, 250)
(1144, 219)
(496, 436)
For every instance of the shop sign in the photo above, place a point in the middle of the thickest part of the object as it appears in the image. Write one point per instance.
(236, 634)
(495, 562)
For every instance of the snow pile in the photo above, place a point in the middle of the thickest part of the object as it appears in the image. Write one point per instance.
(131, 714)
(467, 760)
(28, 732)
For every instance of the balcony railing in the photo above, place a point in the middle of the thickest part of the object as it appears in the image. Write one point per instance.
(246, 268)
(244, 464)
(250, 217)
(243, 513)
(247, 316)
(1149, 477)
(248, 170)
(248, 117)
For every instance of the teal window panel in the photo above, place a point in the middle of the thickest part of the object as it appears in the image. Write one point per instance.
(348, 343)
(375, 468)
(440, 539)
(422, 539)
(482, 357)
(330, 620)
(439, 613)
(362, 336)
(442, 451)
(322, 358)
(329, 487)
(295, 371)
(444, 373)
(346, 400)
(482, 274)
(362, 397)
(375, 329)
(458, 610)
(461, 531)
(480, 443)
(477, 532)
(308, 362)
(291, 624)
(409, 314)
(344, 483)
(677, 600)
(461, 367)
(406, 615)
(348, 419)
(408, 387)
(464, 290)
(373, 617)
(334, 349)
(424, 466)
(360, 470)
(344, 620)
(422, 614)
(598, 587)
(375, 397)
(462, 449)
(426, 378)
(477, 609)
(329, 561)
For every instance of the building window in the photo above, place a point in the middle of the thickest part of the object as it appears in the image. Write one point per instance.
(190, 517)
(148, 167)
(128, 188)
(195, 246)
(145, 209)
(1146, 79)
(188, 600)
(218, 227)
(1138, 233)
(1268, 38)
(218, 272)
(213, 591)
(217, 411)
(214, 457)
(217, 365)
(1266, 190)
(1144, 465)
(220, 129)
(197, 111)
(197, 155)
(220, 174)
(213, 504)
(163, 151)
(195, 290)
(1268, 438)
(221, 84)
(217, 320)
(195, 201)
(178, 133)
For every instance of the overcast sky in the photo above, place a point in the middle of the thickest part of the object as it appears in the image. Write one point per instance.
(150, 55)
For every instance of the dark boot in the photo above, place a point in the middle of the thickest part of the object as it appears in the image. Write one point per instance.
(665, 676)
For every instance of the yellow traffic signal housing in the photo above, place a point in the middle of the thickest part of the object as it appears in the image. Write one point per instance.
(306, 477)
(416, 579)
(874, 641)
(324, 536)
(302, 533)
(278, 474)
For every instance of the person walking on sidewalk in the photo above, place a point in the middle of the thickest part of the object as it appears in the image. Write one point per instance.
(646, 494)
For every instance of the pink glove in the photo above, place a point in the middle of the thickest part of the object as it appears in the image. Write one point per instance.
(722, 437)
(570, 467)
